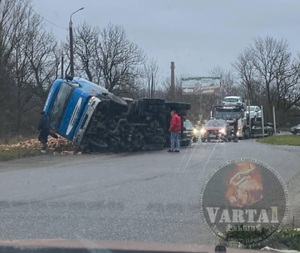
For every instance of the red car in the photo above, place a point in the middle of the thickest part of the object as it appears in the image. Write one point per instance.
(215, 129)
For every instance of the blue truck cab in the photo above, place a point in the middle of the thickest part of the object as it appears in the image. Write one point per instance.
(70, 105)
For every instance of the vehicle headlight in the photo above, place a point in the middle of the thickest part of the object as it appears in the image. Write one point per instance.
(202, 131)
(222, 131)
(195, 131)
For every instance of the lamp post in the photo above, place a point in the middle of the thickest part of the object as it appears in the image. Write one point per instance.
(71, 42)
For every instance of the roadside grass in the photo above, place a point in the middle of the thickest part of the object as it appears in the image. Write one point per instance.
(292, 140)
(11, 153)
(286, 238)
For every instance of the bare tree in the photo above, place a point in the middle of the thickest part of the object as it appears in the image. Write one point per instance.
(247, 73)
(151, 76)
(120, 60)
(228, 83)
(36, 62)
(87, 45)
(167, 89)
(26, 63)
(269, 73)
(108, 58)
(13, 22)
(42, 55)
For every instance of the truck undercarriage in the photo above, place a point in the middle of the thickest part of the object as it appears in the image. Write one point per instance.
(141, 125)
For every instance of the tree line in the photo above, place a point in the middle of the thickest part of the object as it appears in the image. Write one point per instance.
(267, 74)
(31, 59)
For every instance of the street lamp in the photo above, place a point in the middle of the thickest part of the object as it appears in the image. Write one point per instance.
(71, 42)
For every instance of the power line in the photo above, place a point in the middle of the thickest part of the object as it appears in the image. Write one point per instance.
(54, 24)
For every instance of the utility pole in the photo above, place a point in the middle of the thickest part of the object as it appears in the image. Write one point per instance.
(152, 87)
(172, 81)
(71, 42)
(274, 120)
(262, 121)
(62, 66)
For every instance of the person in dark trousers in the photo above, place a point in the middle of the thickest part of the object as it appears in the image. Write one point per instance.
(175, 129)
(44, 130)
(235, 129)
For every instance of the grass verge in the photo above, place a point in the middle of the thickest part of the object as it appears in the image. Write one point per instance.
(287, 238)
(12, 153)
(292, 140)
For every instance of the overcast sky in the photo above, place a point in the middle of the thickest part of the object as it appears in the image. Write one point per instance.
(197, 35)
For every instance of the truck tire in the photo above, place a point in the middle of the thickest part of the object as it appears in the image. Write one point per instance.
(155, 140)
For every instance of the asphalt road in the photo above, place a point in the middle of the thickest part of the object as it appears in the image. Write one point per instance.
(151, 197)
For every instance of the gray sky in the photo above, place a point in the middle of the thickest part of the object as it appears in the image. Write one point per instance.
(196, 34)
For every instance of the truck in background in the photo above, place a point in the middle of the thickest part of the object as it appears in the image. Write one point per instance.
(94, 119)
(247, 127)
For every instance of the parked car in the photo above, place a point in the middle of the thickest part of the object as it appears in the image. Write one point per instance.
(295, 129)
(214, 129)
(232, 100)
(190, 130)
(255, 112)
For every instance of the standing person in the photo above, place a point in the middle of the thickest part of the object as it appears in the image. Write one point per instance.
(44, 130)
(174, 129)
(235, 128)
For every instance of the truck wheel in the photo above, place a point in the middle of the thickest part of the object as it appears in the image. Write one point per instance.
(155, 140)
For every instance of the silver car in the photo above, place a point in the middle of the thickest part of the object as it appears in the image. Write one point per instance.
(232, 100)
(255, 112)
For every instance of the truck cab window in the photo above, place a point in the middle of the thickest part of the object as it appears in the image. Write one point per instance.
(59, 104)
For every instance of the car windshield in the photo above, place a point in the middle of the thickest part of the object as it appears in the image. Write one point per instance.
(150, 140)
(227, 114)
(216, 123)
(231, 99)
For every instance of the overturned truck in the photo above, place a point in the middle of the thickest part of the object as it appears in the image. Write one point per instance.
(96, 120)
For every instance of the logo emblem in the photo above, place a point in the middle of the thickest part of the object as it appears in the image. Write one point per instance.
(245, 201)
